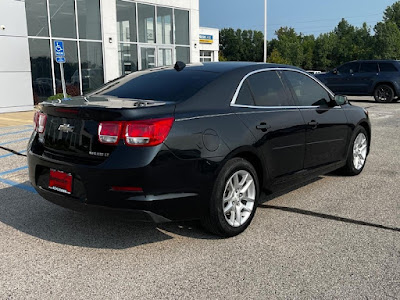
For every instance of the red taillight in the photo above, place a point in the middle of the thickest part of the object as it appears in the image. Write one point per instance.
(35, 119)
(39, 122)
(136, 133)
(110, 132)
(147, 132)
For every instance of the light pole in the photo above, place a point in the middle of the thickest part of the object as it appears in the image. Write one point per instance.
(265, 30)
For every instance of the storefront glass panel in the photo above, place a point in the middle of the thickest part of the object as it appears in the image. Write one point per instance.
(89, 19)
(181, 27)
(62, 14)
(91, 65)
(36, 16)
(146, 21)
(42, 81)
(71, 69)
(164, 25)
(127, 58)
(183, 54)
(126, 20)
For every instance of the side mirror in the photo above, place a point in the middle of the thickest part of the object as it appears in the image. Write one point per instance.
(340, 100)
(335, 71)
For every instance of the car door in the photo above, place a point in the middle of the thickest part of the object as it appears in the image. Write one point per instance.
(341, 80)
(267, 108)
(327, 128)
(365, 78)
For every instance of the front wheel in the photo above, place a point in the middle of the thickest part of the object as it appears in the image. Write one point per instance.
(234, 200)
(384, 93)
(358, 152)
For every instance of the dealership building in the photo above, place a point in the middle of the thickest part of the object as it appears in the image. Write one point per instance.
(102, 40)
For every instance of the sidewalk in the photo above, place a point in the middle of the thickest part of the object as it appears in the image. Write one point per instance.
(17, 118)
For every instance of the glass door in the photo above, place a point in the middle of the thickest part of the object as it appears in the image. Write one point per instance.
(164, 56)
(147, 57)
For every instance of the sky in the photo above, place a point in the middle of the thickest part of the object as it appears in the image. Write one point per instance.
(306, 16)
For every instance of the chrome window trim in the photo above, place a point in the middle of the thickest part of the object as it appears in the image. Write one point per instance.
(233, 101)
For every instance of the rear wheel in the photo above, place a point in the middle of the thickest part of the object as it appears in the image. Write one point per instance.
(234, 200)
(358, 152)
(384, 93)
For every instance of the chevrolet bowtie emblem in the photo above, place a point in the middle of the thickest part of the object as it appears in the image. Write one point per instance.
(66, 128)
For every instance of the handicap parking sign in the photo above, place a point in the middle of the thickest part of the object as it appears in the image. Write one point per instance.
(59, 48)
(60, 59)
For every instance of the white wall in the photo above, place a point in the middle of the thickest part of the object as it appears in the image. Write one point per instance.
(15, 71)
(210, 47)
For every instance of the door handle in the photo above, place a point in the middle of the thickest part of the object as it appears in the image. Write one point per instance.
(314, 124)
(263, 126)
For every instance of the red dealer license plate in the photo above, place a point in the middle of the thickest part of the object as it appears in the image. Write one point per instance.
(60, 181)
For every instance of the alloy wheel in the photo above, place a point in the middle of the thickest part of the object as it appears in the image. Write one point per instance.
(384, 93)
(239, 198)
(360, 151)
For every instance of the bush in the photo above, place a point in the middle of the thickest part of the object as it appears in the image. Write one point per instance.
(58, 96)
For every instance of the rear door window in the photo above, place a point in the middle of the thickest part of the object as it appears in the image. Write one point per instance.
(268, 89)
(369, 68)
(387, 67)
(307, 90)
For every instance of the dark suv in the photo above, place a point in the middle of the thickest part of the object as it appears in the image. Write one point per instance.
(378, 78)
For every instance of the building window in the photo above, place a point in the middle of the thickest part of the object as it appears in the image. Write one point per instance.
(146, 36)
(128, 58)
(62, 20)
(206, 56)
(37, 18)
(164, 25)
(77, 23)
(126, 21)
(42, 79)
(146, 21)
(91, 65)
(89, 19)
(183, 54)
(182, 27)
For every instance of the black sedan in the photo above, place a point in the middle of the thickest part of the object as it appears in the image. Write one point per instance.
(198, 141)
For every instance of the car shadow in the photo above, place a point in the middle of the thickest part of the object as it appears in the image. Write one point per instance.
(264, 205)
(31, 214)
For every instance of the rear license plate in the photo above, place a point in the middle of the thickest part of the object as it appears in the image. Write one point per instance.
(60, 181)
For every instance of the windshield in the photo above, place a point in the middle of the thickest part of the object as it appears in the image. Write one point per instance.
(161, 85)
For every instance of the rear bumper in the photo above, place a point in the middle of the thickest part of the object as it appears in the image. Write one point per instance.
(173, 188)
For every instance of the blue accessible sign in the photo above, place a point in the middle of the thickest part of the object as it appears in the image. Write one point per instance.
(60, 59)
(59, 48)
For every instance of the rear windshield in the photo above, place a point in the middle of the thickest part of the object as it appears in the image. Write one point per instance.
(161, 85)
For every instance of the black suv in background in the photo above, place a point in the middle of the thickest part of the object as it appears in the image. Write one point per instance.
(378, 78)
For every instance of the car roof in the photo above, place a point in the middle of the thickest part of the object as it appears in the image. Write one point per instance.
(375, 60)
(224, 67)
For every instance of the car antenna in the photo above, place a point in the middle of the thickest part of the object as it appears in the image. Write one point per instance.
(179, 66)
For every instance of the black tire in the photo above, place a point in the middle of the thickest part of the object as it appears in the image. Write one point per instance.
(384, 93)
(350, 169)
(215, 221)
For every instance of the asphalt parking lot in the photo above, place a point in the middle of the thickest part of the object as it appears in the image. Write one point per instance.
(333, 238)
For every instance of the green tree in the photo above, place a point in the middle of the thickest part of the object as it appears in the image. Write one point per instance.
(387, 40)
(308, 44)
(276, 58)
(392, 14)
(289, 46)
